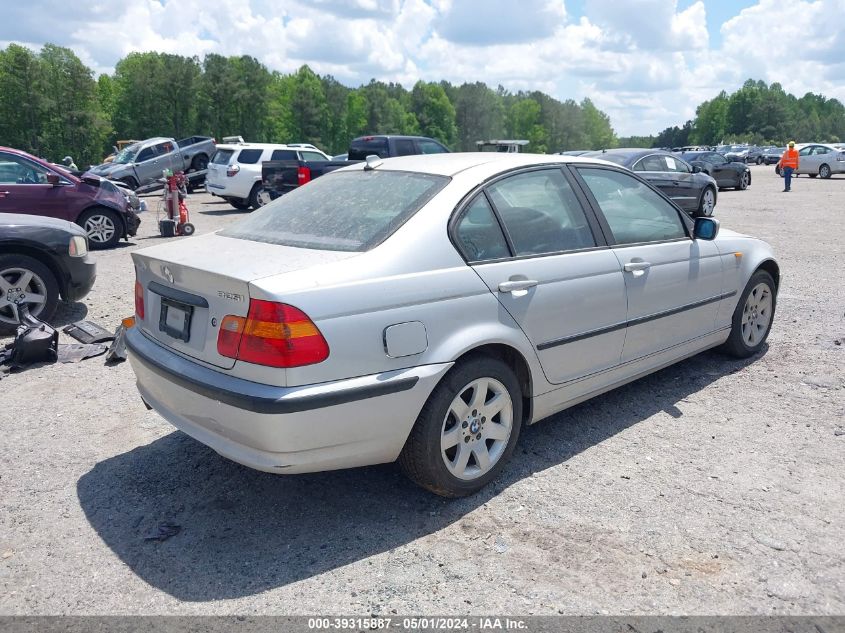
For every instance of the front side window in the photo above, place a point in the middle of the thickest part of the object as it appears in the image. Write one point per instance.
(342, 211)
(15, 170)
(430, 147)
(541, 213)
(633, 210)
(715, 159)
(480, 237)
(676, 165)
(147, 153)
(313, 156)
(805, 151)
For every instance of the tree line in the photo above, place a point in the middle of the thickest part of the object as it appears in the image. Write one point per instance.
(51, 105)
(758, 114)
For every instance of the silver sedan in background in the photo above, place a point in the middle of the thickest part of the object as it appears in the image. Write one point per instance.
(424, 308)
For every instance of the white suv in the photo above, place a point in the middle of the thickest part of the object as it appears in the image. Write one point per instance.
(234, 172)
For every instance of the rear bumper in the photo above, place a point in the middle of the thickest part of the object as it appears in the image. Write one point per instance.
(341, 424)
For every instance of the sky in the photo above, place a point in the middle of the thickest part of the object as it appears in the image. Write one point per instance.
(647, 63)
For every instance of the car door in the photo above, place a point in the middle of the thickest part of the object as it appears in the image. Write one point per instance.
(147, 165)
(528, 236)
(685, 190)
(653, 169)
(721, 170)
(673, 282)
(806, 160)
(24, 189)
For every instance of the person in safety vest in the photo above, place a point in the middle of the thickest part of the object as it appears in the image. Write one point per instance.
(788, 163)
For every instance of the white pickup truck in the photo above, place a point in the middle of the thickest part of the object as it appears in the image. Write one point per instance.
(142, 163)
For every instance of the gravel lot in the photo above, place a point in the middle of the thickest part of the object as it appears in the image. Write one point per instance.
(712, 487)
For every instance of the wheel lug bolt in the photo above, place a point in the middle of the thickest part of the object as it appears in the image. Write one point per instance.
(483, 419)
(474, 412)
(466, 440)
(478, 437)
(464, 425)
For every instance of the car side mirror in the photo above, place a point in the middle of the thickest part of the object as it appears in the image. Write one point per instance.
(53, 179)
(706, 229)
(696, 169)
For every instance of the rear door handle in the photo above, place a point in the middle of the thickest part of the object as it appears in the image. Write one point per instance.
(637, 267)
(4, 193)
(517, 285)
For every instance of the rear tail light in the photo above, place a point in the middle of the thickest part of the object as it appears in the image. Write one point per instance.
(303, 174)
(139, 300)
(232, 170)
(272, 334)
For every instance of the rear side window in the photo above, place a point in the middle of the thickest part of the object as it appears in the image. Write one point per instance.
(405, 147)
(222, 156)
(342, 211)
(480, 237)
(283, 154)
(250, 156)
(541, 213)
(633, 210)
(360, 149)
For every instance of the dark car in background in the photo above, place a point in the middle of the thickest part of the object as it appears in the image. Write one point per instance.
(771, 155)
(726, 173)
(32, 186)
(684, 184)
(41, 259)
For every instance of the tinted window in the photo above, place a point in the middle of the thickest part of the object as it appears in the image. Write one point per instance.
(250, 156)
(650, 163)
(675, 165)
(634, 212)
(222, 156)
(145, 154)
(342, 211)
(541, 213)
(805, 151)
(430, 147)
(15, 170)
(480, 237)
(715, 159)
(163, 148)
(820, 150)
(283, 154)
(405, 147)
(313, 156)
(360, 149)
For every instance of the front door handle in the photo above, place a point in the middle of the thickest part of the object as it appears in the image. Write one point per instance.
(4, 193)
(517, 285)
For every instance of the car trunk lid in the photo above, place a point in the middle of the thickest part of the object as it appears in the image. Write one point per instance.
(188, 286)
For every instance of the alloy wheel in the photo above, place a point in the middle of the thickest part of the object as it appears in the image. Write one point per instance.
(100, 228)
(20, 286)
(743, 182)
(756, 315)
(708, 202)
(476, 428)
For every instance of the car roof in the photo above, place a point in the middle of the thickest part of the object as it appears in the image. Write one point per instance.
(451, 164)
(236, 146)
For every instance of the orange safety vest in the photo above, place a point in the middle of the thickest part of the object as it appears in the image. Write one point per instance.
(789, 159)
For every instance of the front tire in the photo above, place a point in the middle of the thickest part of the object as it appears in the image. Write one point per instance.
(103, 227)
(824, 171)
(255, 196)
(238, 203)
(35, 281)
(467, 430)
(753, 316)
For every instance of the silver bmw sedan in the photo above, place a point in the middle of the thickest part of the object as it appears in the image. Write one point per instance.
(424, 308)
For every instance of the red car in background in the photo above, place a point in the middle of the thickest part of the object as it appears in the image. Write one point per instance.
(32, 186)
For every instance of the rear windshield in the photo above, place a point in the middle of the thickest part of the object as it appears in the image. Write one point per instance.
(360, 149)
(342, 211)
(222, 156)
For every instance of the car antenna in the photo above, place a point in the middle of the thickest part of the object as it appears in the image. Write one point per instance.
(372, 161)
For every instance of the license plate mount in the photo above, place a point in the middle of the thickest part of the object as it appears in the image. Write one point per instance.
(175, 319)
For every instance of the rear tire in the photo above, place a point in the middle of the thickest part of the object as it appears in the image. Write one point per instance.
(753, 316)
(707, 204)
(744, 181)
(824, 171)
(239, 204)
(200, 162)
(41, 288)
(103, 226)
(467, 429)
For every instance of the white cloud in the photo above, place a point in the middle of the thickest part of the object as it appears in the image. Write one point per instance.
(647, 63)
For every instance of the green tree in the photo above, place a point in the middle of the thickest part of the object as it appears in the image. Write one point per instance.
(597, 125)
(479, 115)
(21, 99)
(434, 112)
